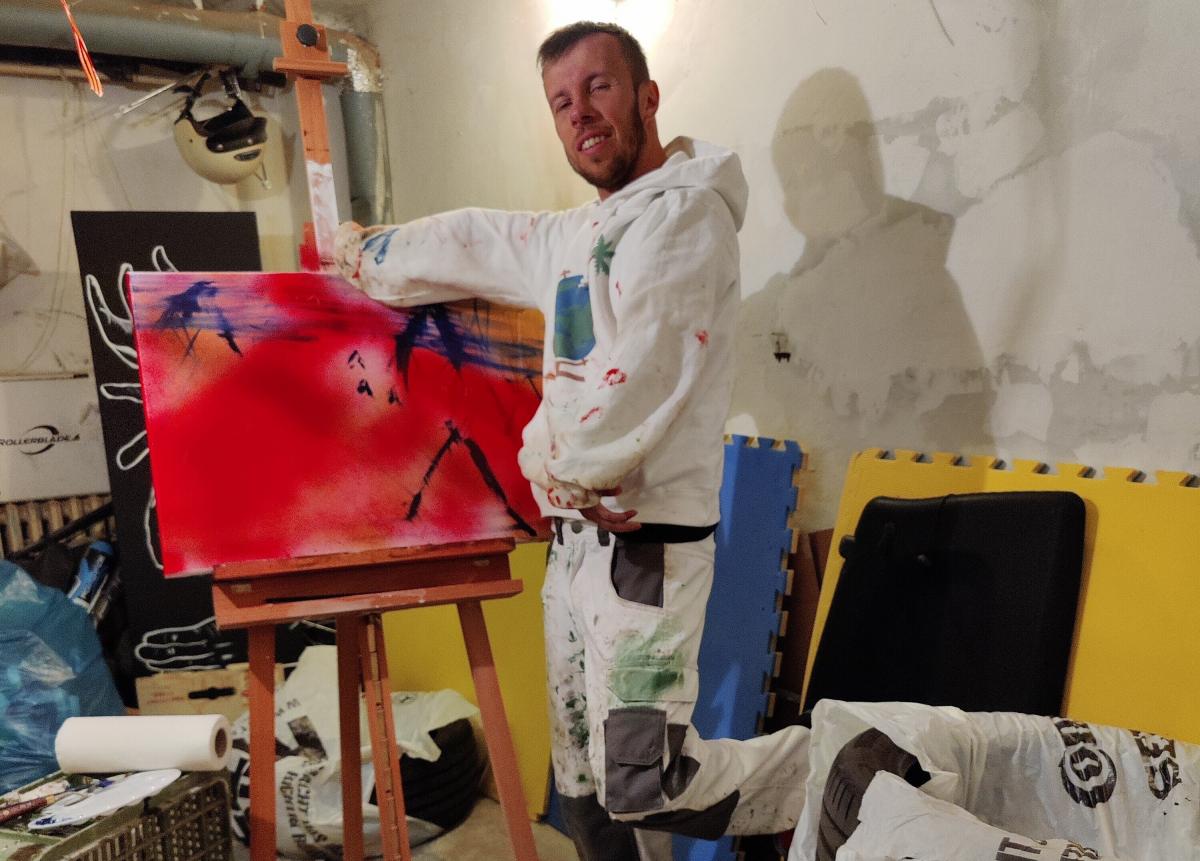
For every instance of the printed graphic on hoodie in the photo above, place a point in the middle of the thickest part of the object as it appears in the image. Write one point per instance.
(574, 337)
(602, 254)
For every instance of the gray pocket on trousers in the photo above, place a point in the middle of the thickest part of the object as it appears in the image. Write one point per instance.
(638, 572)
(633, 756)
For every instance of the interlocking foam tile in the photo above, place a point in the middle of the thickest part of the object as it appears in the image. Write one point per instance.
(1136, 657)
(737, 655)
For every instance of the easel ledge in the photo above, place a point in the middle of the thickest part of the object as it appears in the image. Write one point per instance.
(286, 590)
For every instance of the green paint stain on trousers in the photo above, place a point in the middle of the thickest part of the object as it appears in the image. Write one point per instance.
(643, 670)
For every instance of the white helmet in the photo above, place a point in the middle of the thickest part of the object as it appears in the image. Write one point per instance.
(226, 147)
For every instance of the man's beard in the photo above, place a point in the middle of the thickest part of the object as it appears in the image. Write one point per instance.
(623, 165)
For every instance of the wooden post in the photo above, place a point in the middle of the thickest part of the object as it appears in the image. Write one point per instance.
(495, 729)
(306, 61)
(389, 793)
(261, 695)
(351, 744)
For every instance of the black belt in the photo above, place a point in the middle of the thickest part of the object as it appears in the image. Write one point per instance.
(650, 533)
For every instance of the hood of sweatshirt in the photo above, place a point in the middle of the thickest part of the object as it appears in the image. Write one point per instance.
(691, 164)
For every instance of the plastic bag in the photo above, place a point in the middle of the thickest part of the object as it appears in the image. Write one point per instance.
(1123, 793)
(308, 704)
(51, 668)
(308, 783)
(308, 810)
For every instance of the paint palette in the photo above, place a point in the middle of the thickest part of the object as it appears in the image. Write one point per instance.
(289, 415)
(79, 807)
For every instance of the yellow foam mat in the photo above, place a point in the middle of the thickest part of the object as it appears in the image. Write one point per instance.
(425, 652)
(1135, 660)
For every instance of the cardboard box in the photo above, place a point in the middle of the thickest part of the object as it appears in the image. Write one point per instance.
(194, 692)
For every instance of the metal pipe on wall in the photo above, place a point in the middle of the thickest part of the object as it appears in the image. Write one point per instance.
(246, 40)
(362, 118)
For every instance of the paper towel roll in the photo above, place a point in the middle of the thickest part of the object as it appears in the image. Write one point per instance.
(102, 745)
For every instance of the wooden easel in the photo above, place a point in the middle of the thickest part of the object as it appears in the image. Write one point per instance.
(354, 589)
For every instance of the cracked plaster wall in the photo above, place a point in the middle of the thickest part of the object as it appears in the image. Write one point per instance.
(467, 121)
(976, 223)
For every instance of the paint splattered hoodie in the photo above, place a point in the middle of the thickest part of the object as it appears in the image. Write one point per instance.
(640, 295)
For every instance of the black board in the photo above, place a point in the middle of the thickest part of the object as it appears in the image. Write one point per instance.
(964, 600)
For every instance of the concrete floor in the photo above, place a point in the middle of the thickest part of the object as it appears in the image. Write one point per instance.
(483, 836)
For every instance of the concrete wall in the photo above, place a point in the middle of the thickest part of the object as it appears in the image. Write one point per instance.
(975, 225)
(467, 122)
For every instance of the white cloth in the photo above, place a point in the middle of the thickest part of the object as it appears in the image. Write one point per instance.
(1129, 794)
(640, 294)
(897, 821)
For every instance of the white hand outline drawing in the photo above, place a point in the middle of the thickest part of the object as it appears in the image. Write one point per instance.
(200, 646)
(134, 451)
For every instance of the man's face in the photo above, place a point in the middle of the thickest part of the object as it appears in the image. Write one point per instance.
(597, 112)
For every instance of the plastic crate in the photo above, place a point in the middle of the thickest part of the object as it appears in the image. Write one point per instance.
(187, 821)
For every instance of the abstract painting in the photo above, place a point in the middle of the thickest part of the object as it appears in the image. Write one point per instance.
(289, 415)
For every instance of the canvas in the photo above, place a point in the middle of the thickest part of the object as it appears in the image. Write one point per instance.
(288, 415)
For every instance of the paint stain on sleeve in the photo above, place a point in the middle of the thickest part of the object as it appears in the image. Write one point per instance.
(618, 286)
(592, 413)
(702, 337)
(615, 377)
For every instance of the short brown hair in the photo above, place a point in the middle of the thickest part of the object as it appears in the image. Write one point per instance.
(565, 38)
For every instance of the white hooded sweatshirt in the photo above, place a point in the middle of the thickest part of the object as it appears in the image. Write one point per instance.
(640, 295)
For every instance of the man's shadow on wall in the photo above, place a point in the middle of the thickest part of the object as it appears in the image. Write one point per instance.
(882, 352)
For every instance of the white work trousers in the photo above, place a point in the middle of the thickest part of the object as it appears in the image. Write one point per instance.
(623, 624)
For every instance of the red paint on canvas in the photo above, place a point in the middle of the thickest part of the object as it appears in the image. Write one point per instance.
(288, 415)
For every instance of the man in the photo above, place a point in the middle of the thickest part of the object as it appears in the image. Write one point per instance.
(640, 292)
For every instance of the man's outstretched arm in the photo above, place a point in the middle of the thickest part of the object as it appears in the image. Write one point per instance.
(466, 253)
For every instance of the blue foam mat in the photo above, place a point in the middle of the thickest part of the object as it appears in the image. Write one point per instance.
(736, 658)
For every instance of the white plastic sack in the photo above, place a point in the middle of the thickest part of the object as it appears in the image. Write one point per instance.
(308, 811)
(309, 698)
(1126, 794)
(308, 797)
(898, 821)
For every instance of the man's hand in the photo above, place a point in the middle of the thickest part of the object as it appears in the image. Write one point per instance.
(608, 519)
(347, 249)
